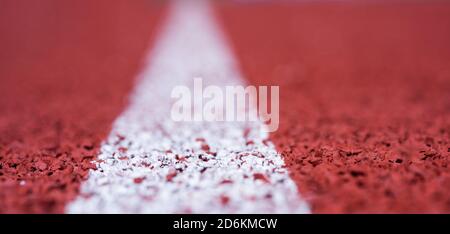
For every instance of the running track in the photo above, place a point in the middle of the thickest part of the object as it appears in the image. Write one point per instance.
(365, 107)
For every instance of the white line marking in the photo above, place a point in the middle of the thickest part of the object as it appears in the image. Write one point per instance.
(154, 165)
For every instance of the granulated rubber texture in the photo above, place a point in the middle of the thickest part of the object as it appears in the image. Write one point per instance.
(365, 101)
(66, 68)
(150, 163)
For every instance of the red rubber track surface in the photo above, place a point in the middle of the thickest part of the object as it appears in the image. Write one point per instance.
(66, 68)
(365, 100)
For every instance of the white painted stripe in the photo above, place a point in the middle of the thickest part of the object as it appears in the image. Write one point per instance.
(178, 174)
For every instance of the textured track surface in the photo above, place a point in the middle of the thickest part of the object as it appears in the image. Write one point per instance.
(365, 101)
(152, 164)
(65, 70)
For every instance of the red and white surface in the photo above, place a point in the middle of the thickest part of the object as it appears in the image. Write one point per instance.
(85, 124)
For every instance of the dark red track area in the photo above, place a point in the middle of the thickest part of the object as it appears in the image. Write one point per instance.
(365, 98)
(65, 70)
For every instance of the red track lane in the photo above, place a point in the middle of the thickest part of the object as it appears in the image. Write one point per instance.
(65, 70)
(365, 101)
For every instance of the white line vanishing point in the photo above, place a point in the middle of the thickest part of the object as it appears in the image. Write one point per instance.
(151, 164)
